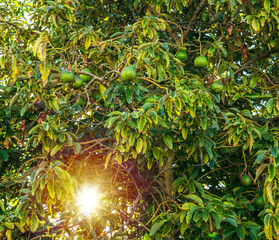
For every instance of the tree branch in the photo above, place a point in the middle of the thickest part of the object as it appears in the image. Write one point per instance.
(199, 8)
(250, 62)
(55, 228)
(11, 24)
(94, 77)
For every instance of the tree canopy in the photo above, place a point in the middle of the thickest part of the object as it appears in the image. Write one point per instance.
(168, 107)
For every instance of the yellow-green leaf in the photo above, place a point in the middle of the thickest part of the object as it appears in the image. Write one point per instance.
(142, 123)
(9, 234)
(34, 223)
(9, 225)
(59, 172)
(168, 141)
(256, 25)
(2, 205)
(260, 169)
(44, 70)
(87, 42)
(132, 139)
(108, 159)
(267, 5)
(42, 51)
(269, 192)
(269, 105)
(118, 157)
(50, 188)
(271, 172)
(2, 61)
(155, 227)
(195, 198)
(139, 145)
(56, 149)
(20, 227)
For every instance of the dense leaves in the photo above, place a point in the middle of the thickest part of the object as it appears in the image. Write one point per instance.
(166, 150)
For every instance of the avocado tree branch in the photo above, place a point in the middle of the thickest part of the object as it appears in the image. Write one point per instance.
(11, 24)
(94, 77)
(55, 228)
(250, 62)
(199, 8)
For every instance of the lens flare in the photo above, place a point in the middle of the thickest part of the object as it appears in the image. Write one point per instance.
(88, 199)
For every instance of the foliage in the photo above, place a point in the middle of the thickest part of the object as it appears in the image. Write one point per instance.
(167, 153)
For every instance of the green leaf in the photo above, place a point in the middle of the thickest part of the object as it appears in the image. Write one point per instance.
(2, 61)
(236, 96)
(256, 25)
(20, 227)
(45, 71)
(178, 104)
(9, 234)
(25, 191)
(154, 116)
(195, 198)
(34, 129)
(115, 113)
(9, 225)
(56, 149)
(184, 132)
(217, 219)
(257, 132)
(190, 213)
(54, 104)
(77, 147)
(40, 207)
(139, 145)
(59, 172)
(205, 215)
(269, 193)
(132, 139)
(199, 186)
(4, 155)
(34, 224)
(231, 221)
(146, 106)
(253, 83)
(129, 95)
(156, 227)
(241, 232)
(50, 188)
(203, 122)
(166, 230)
(168, 141)
(183, 228)
(251, 224)
(267, 6)
(87, 42)
(260, 169)
(259, 157)
(108, 159)
(269, 105)
(142, 123)
(271, 171)
(2, 205)
(119, 157)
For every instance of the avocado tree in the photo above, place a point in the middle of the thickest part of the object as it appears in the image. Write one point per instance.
(168, 107)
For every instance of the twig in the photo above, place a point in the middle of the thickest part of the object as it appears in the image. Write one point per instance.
(199, 8)
(94, 77)
(164, 171)
(250, 62)
(54, 228)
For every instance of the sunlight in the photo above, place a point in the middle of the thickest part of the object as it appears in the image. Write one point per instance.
(88, 199)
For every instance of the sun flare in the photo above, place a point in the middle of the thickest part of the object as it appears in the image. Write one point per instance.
(88, 199)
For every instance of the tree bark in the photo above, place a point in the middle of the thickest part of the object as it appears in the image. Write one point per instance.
(169, 176)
